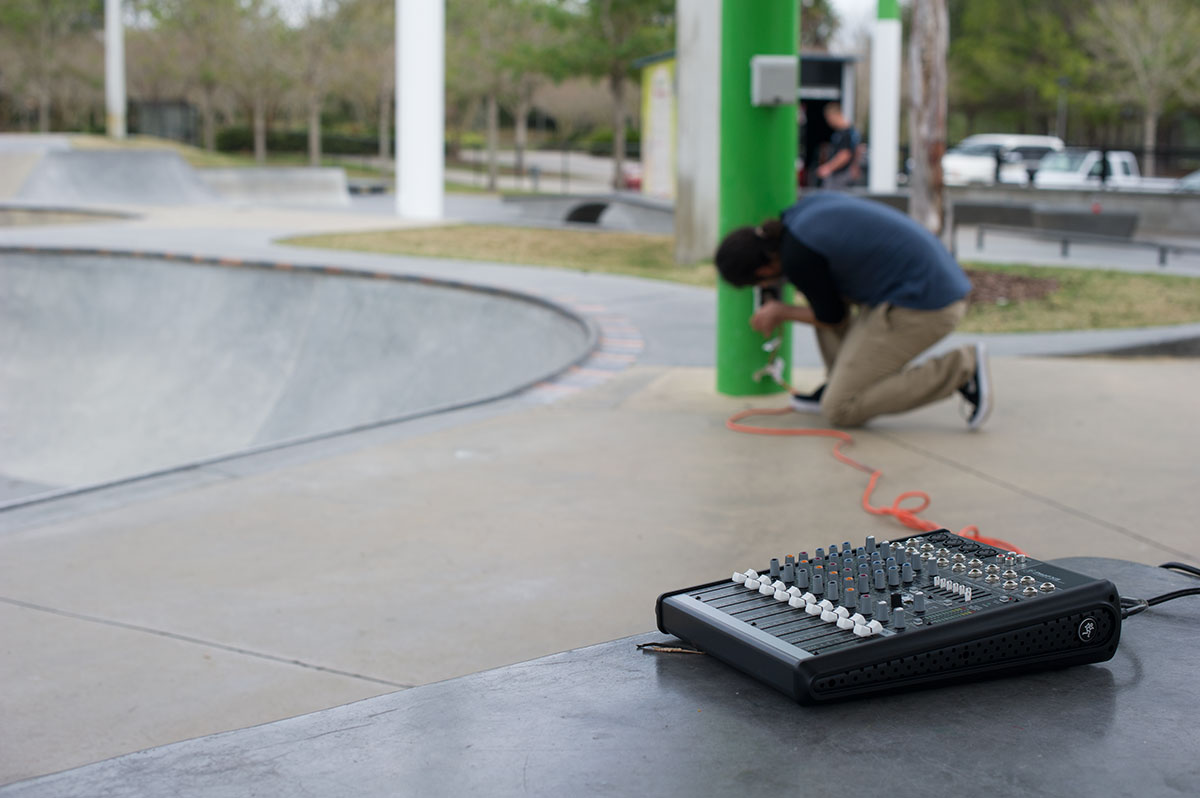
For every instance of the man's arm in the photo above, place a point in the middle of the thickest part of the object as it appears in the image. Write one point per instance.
(839, 159)
(774, 313)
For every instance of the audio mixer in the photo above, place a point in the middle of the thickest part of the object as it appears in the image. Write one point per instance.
(925, 610)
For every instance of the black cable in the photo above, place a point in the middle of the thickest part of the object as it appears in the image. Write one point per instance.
(1181, 566)
(1133, 606)
(1191, 591)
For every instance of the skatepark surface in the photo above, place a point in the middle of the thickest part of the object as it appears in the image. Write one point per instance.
(225, 593)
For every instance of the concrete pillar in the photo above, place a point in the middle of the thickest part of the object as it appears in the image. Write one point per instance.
(114, 69)
(884, 146)
(420, 108)
(698, 135)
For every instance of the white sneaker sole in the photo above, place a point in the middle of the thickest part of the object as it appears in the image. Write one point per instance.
(983, 372)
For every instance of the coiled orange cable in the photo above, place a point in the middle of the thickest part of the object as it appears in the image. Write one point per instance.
(905, 515)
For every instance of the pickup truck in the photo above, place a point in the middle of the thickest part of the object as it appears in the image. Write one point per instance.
(1080, 168)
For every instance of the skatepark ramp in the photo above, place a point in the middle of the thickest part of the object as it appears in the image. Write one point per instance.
(115, 177)
(118, 365)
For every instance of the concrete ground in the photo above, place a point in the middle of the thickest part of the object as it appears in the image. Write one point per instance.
(282, 583)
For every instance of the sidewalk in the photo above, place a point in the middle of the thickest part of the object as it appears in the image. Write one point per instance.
(279, 585)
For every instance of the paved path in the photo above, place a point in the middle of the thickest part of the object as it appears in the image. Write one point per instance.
(273, 585)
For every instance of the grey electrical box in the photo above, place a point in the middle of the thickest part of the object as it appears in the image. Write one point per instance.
(773, 79)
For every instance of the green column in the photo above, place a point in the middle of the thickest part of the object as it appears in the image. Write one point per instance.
(757, 175)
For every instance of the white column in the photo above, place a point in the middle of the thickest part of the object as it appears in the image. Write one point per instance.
(420, 108)
(698, 128)
(884, 146)
(114, 69)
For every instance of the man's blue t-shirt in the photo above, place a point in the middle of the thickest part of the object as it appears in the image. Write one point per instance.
(873, 253)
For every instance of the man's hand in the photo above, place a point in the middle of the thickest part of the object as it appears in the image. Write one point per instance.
(769, 316)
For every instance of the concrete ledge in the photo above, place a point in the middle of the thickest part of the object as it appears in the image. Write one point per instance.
(627, 212)
(280, 185)
(615, 720)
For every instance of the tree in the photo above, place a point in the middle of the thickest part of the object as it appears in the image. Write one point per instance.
(819, 23)
(316, 40)
(40, 39)
(204, 31)
(365, 72)
(260, 78)
(605, 38)
(1147, 51)
(927, 47)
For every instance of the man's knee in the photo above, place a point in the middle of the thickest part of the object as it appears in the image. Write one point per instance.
(842, 411)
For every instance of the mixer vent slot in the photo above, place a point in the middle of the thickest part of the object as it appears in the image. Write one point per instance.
(1050, 637)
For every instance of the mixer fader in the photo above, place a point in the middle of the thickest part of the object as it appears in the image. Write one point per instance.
(929, 609)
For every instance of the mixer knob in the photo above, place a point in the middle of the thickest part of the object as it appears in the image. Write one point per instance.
(893, 576)
(1009, 585)
(1009, 574)
(906, 573)
(958, 568)
(864, 583)
(814, 609)
(926, 547)
(829, 616)
(789, 571)
(818, 584)
(833, 589)
(774, 567)
(918, 601)
(993, 569)
(1027, 580)
(1030, 591)
(846, 623)
(802, 579)
(975, 562)
(875, 626)
(1021, 558)
(741, 578)
(992, 579)
(766, 588)
(912, 551)
(882, 610)
(880, 579)
(958, 556)
(870, 543)
(863, 630)
(864, 604)
(899, 621)
(942, 562)
(1046, 587)
(943, 552)
(975, 573)
(798, 602)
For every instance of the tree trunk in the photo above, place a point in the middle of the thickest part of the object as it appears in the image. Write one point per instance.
(208, 121)
(385, 124)
(314, 130)
(493, 136)
(521, 135)
(1149, 141)
(43, 111)
(616, 84)
(260, 131)
(927, 113)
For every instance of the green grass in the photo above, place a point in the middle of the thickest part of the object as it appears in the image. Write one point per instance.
(1085, 298)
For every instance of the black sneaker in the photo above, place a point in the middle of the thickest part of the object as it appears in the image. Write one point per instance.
(978, 390)
(808, 402)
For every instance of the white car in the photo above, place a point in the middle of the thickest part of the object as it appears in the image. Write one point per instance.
(1080, 168)
(973, 160)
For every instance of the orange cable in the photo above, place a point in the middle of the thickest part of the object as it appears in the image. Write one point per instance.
(906, 516)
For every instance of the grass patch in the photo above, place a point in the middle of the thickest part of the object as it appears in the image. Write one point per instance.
(1088, 299)
(1085, 298)
(633, 254)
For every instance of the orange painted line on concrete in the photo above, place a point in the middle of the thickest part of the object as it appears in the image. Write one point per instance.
(229, 262)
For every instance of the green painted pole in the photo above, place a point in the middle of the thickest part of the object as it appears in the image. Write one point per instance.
(757, 176)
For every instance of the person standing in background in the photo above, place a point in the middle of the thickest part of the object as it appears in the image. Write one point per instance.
(841, 170)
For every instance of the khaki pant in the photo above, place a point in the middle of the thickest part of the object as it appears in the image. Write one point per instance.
(867, 358)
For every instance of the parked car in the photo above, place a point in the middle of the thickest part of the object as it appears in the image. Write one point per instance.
(1189, 182)
(1079, 168)
(973, 160)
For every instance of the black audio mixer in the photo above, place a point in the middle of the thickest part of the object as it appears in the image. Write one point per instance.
(925, 610)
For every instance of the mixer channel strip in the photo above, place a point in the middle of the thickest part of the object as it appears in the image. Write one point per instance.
(856, 604)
